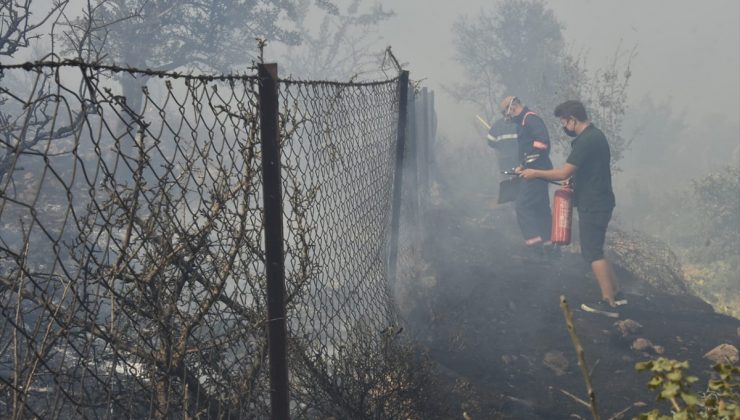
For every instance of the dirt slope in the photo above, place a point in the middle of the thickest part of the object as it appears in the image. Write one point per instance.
(492, 322)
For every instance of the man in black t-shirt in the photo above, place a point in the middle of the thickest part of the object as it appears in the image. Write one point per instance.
(590, 172)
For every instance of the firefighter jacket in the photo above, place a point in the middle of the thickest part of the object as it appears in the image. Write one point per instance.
(502, 137)
(533, 140)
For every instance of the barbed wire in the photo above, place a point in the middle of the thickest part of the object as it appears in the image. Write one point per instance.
(50, 64)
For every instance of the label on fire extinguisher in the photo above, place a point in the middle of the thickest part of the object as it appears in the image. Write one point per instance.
(562, 216)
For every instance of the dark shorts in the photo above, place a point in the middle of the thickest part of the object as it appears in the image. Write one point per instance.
(592, 232)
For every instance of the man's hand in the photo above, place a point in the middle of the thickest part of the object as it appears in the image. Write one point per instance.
(527, 173)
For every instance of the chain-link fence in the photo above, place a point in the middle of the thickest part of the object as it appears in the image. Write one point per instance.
(133, 256)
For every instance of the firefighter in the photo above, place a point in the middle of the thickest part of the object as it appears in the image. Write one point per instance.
(588, 166)
(533, 201)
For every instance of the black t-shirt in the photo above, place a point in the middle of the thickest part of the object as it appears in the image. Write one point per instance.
(593, 178)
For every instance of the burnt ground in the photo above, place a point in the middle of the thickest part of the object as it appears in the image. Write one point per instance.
(492, 323)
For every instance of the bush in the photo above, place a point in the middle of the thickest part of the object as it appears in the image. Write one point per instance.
(701, 224)
(719, 401)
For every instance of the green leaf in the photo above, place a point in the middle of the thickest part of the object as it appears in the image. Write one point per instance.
(655, 381)
(674, 376)
(662, 365)
(651, 415)
(690, 399)
(715, 385)
(644, 366)
(670, 390)
(681, 415)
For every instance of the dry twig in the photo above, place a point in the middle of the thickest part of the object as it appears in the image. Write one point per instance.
(581, 356)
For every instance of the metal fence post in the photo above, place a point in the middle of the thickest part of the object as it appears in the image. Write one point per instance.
(412, 169)
(274, 256)
(403, 86)
(431, 137)
(424, 134)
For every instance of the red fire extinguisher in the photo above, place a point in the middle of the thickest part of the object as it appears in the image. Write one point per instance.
(562, 215)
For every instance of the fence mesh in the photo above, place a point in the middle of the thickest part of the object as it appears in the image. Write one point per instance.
(132, 276)
(338, 157)
(132, 270)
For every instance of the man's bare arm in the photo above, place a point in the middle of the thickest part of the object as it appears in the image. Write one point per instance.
(557, 174)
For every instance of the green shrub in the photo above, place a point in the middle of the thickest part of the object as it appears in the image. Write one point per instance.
(719, 401)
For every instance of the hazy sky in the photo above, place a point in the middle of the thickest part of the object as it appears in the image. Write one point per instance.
(688, 51)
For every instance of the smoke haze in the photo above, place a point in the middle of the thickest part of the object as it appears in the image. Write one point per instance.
(687, 53)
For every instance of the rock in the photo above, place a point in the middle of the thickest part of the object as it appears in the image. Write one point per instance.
(556, 361)
(628, 327)
(643, 344)
(650, 259)
(724, 353)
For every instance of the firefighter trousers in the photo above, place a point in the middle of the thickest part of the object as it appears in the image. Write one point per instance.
(533, 210)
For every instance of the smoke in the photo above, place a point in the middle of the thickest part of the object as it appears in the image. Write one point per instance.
(687, 59)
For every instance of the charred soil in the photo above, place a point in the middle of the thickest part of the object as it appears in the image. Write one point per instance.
(491, 321)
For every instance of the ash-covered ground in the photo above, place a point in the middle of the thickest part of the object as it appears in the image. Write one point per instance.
(492, 323)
